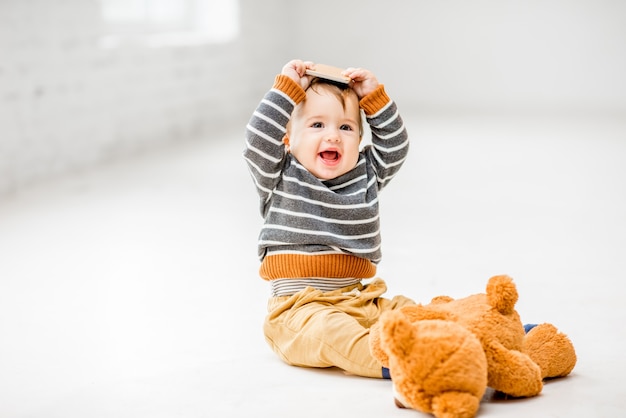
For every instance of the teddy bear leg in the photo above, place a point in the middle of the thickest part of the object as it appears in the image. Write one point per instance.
(455, 405)
(552, 350)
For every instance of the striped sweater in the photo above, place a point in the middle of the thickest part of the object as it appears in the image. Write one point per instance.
(320, 228)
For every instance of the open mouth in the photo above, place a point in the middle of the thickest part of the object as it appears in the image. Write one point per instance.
(330, 156)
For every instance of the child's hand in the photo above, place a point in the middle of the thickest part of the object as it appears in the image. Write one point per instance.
(364, 81)
(295, 69)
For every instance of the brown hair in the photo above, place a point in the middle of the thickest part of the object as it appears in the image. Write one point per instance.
(340, 90)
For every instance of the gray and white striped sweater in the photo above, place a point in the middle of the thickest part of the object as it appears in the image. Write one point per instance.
(305, 216)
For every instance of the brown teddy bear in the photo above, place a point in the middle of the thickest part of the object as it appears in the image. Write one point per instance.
(442, 356)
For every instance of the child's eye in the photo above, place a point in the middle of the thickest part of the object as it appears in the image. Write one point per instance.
(346, 127)
(317, 125)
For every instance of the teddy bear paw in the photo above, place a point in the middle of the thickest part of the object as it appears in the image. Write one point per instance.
(551, 350)
(450, 405)
(455, 405)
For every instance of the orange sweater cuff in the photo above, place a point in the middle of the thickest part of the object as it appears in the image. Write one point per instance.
(375, 101)
(289, 87)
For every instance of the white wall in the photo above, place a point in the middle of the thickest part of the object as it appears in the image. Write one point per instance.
(66, 103)
(485, 54)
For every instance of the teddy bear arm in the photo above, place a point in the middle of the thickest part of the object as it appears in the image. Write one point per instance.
(376, 348)
(512, 372)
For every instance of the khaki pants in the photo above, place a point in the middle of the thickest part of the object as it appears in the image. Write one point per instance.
(325, 329)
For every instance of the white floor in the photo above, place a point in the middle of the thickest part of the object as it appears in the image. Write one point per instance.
(131, 291)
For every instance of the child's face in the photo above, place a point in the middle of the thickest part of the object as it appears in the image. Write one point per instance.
(324, 135)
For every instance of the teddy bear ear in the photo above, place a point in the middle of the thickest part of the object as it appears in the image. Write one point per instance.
(441, 299)
(397, 333)
(502, 294)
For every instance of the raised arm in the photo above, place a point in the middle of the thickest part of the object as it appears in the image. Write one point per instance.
(390, 140)
(265, 151)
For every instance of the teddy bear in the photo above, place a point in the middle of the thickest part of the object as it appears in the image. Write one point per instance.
(442, 356)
